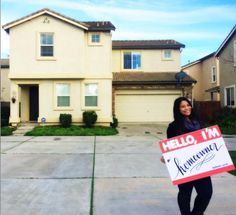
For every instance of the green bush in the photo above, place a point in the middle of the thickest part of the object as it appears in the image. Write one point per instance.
(89, 118)
(65, 120)
(5, 113)
(114, 124)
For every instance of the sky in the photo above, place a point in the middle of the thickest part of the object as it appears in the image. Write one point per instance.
(201, 25)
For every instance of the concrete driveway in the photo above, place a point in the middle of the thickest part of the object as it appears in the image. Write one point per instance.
(114, 175)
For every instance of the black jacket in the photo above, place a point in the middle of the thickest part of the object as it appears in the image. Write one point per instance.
(175, 129)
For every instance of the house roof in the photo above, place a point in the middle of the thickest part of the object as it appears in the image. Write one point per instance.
(149, 78)
(90, 26)
(198, 61)
(4, 63)
(146, 44)
(225, 42)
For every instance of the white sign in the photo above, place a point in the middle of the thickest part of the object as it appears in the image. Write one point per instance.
(196, 155)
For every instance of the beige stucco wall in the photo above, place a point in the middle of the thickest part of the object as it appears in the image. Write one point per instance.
(202, 72)
(5, 85)
(195, 72)
(74, 57)
(227, 69)
(151, 61)
(47, 100)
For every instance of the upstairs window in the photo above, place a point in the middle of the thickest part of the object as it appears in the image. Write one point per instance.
(167, 54)
(91, 95)
(95, 38)
(63, 95)
(132, 60)
(234, 52)
(213, 74)
(46, 45)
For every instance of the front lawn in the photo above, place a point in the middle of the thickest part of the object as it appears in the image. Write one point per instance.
(233, 156)
(6, 131)
(71, 131)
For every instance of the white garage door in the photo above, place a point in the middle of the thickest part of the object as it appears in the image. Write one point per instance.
(143, 106)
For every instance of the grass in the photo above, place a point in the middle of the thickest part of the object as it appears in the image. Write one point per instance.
(233, 156)
(71, 131)
(6, 131)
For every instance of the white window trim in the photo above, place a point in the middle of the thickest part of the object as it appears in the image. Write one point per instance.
(57, 108)
(212, 69)
(122, 60)
(95, 108)
(38, 48)
(234, 50)
(225, 96)
(90, 35)
(164, 58)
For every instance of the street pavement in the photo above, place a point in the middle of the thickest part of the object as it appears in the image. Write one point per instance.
(103, 175)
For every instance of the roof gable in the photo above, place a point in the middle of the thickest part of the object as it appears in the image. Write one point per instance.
(226, 41)
(89, 26)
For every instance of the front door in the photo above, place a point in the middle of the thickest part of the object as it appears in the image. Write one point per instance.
(34, 103)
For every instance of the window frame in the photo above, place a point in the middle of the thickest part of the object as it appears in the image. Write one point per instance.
(94, 43)
(39, 44)
(164, 57)
(133, 53)
(225, 96)
(234, 50)
(56, 96)
(213, 74)
(84, 97)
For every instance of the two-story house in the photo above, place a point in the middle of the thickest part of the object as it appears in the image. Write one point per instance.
(226, 54)
(60, 65)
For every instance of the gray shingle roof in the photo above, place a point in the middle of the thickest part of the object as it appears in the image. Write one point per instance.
(146, 44)
(149, 78)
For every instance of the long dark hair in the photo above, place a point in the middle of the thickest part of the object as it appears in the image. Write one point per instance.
(178, 117)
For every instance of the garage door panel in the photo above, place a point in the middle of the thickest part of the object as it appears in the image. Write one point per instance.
(144, 107)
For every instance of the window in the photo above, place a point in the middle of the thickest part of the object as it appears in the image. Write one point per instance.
(234, 52)
(91, 95)
(46, 45)
(229, 96)
(213, 74)
(167, 54)
(63, 95)
(132, 60)
(95, 38)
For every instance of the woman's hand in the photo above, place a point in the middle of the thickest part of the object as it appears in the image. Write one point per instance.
(162, 159)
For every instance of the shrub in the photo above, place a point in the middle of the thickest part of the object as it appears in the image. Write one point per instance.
(114, 124)
(5, 113)
(65, 120)
(89, 118)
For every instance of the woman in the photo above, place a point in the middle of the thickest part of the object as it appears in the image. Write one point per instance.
(186, 121)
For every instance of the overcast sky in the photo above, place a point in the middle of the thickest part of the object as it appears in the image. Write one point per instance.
(201, 25)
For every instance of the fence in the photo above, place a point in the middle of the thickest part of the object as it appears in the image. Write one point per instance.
(207, 110)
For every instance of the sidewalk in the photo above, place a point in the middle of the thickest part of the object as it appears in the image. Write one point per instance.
(54, 175)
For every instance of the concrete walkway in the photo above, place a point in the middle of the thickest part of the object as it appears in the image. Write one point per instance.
(114, 175)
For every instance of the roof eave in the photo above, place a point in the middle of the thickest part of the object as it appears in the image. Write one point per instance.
(7, 26)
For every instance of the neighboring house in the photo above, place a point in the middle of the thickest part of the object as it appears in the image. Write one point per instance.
(205, 70)
(60, 65)
(216, 74)
(226, 55)
(147, 80)
(5, 82)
